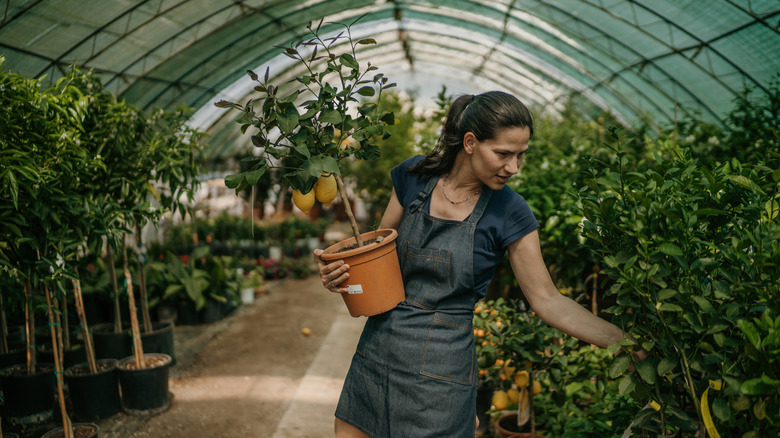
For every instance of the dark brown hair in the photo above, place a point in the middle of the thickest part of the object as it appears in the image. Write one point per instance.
(483, 114)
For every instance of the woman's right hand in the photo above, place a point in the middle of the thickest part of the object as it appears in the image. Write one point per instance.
(332, 274)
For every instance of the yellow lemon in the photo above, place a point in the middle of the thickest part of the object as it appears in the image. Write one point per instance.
(537, 387)
(513, 394)
(500, 400)
(508, 369)
(521, 379)
(304, 201)
(325, 189)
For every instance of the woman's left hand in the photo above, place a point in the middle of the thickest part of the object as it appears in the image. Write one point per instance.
(333, 274)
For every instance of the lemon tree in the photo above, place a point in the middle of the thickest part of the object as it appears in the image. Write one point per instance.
(309, 124)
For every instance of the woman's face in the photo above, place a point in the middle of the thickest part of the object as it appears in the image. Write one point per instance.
(495, 160)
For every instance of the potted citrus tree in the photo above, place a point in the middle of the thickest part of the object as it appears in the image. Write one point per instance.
(307, 127)
(519, 355)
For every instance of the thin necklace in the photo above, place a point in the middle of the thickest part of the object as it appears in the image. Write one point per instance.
(444, 190)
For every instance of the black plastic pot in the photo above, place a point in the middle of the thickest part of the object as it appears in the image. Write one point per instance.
(80, 429)
(145, 391)
(160, 340)
(72, 356)
(94, 396)
(29, 398)
(13, 357)
(110, 345)
(186, 313)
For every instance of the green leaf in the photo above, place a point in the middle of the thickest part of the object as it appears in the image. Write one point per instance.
(670, 249)
(665, 294)
(721, 409)
(288, 119)
(745, 183)
(366, 91)
(666, 365)
(669, 307)
(232, 181)
(750, 331)
(254, 175)
(331, 116)
(619, 366)
(330, 165)
(757, 386)
(704, 304)
(367, 41)
(646, 371)
(349, 61)
(627, 384)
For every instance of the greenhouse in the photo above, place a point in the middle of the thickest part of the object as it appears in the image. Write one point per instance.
(171, 169)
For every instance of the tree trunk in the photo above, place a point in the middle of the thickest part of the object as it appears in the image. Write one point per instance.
(4, 329)
(29, 327)
(142, 284)
(138, 349)
(348, 209)
(115, 289)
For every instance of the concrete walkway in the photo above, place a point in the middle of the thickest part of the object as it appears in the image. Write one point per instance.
(319, 390)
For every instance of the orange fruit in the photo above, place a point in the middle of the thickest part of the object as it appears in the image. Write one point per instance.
(306, 331)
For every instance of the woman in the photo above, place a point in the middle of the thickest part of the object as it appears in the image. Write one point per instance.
(414, 373)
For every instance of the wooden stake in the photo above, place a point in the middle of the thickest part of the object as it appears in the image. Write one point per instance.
(84, 327)
(55, 347)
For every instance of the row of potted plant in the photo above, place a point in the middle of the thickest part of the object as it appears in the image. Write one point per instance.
(84, 171)
(228, 233)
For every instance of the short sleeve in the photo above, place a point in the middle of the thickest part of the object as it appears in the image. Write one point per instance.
(407, 184)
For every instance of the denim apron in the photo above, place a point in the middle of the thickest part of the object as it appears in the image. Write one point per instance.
(414, 373)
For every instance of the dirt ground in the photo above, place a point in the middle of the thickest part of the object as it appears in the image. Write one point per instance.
(239, 376)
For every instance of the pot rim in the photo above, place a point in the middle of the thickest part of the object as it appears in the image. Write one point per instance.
(331, 253)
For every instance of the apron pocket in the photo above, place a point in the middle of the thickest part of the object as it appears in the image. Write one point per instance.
(426, 275)
(449, 349)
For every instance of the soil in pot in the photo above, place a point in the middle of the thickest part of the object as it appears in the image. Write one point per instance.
(145, 390)
(94, 396)
(29, 398)
(80, 430)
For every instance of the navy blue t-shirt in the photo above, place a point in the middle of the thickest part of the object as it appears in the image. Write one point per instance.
(507, 218)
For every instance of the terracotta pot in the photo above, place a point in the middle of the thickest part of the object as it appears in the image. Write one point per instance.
(506, 426)
(375, 284)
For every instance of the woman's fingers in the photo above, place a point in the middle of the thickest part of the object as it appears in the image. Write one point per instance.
(333, 274)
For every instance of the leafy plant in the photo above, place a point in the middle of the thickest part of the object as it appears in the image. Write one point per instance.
(331, 124)
(691, 249)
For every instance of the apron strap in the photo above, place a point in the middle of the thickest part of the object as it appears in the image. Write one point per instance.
(423, 195)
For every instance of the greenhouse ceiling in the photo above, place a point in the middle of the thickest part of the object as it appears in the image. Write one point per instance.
(651, 59)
